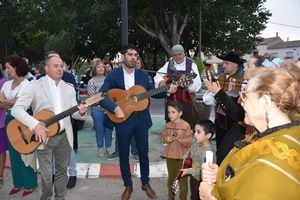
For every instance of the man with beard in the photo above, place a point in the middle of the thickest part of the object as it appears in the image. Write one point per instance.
(233, 109)
(224, 95)
(137, 124)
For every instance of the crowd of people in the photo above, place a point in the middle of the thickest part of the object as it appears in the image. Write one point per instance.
(256, 126)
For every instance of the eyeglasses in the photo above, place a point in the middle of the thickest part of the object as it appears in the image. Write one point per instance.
(243, 94)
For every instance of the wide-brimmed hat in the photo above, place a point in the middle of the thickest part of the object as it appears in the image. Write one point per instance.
(207, 62)
(232, 56)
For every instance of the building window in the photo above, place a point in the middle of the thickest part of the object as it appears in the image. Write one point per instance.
(289, 55)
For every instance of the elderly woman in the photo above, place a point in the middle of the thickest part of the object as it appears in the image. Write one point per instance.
(103, 134)
(267, 165)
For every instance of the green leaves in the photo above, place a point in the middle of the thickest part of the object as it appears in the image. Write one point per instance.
(63, 42)
(93, 28)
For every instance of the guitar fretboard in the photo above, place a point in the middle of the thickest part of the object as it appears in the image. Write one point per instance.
(152, 92)
(60, 116)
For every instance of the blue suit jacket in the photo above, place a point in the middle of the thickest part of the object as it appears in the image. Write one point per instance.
(115, 79)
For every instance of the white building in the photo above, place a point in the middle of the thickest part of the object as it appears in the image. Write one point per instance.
(286, 50)
(289, 50)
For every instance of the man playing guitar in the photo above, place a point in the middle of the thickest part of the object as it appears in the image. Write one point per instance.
(137, 124)
(50, 92)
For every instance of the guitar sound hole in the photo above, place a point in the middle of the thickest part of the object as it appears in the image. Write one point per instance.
(133, 100)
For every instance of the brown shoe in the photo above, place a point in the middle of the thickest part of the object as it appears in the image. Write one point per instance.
(150, 193)
(127, 192)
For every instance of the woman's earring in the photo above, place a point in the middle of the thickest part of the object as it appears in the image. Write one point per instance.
(267, 118)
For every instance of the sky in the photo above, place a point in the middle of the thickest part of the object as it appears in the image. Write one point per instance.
(283, 12)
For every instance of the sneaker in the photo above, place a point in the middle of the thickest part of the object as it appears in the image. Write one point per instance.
(135, 157)
(109, 150)
(101, 153)
(113, 156)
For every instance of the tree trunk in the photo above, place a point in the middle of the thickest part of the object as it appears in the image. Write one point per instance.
(175, 31)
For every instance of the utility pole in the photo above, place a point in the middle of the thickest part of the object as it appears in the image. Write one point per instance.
(200, 35)
(124, 22)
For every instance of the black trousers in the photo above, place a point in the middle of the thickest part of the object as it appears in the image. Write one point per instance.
(194, 184)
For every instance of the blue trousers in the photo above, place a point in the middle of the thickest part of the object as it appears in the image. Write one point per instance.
(133, 149)
(103, 134)
(124, 136)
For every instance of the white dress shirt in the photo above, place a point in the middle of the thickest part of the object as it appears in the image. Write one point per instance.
(194, 87)
(56, 99)
(129, 79)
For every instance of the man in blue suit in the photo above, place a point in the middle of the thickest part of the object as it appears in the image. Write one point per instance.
(137, 125)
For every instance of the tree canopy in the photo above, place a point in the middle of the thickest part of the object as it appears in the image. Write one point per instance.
(93, 27)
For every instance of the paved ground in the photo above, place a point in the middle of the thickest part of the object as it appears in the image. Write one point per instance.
(93, 189)
(88, 148)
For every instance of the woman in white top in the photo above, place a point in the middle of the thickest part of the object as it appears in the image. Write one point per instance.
(24, 177)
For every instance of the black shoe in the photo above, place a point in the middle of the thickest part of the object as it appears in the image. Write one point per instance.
(113, 156)
(71, 182)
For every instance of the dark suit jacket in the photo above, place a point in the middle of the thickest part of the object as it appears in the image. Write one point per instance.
(236, 113)
(115, 79)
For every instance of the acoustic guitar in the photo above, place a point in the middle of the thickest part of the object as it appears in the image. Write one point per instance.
(23, 140)
(136, 98)
(186, 164)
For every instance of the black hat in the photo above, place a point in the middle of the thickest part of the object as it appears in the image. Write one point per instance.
(232, 56)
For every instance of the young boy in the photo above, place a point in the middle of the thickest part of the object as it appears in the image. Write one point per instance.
(204, 130)
(178, 137)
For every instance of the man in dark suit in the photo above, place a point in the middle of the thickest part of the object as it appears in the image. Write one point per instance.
(136, 125)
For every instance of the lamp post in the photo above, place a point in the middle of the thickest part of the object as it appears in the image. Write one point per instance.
(124, 27)
(200, 28)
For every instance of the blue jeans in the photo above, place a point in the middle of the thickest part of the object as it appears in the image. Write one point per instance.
(103, 134)
(72, 164)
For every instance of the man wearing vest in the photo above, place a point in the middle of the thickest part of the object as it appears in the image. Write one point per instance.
(229, 115)
(176, 67)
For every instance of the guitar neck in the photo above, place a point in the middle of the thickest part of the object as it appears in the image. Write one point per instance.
(61, 116)
(153, 92)
(178, 175)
